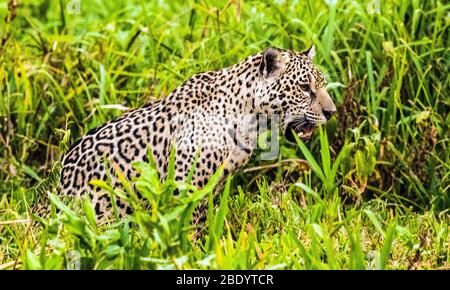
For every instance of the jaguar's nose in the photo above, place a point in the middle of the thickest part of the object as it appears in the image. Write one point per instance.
(328, 113)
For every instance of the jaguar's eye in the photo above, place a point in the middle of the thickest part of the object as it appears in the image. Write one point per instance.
(305, 88)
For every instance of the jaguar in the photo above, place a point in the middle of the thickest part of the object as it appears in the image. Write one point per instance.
(213, 116)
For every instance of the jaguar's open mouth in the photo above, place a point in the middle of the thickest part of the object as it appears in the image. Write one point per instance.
(303, 128)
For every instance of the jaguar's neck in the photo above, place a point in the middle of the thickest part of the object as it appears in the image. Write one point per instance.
(240, 83)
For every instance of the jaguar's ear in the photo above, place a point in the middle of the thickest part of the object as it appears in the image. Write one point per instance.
(270, 63)
(311, 52)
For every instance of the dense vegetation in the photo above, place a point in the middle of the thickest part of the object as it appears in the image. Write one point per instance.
(373, 194)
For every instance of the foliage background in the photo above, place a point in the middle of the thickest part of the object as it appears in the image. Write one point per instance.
(385, 205)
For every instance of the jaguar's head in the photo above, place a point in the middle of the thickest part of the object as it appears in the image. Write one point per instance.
(293, 88)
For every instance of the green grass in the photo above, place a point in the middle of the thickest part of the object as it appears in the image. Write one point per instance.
(376, 192)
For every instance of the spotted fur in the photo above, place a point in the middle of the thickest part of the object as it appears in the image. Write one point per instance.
(214, 112)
